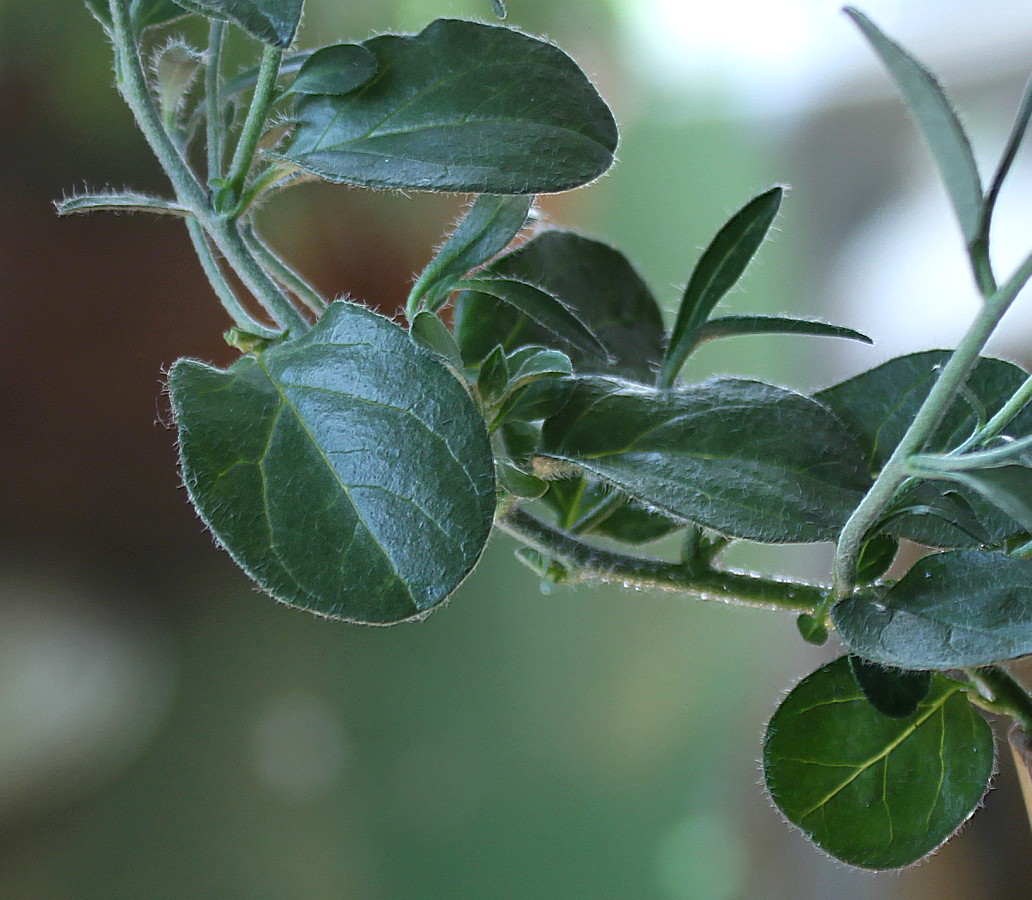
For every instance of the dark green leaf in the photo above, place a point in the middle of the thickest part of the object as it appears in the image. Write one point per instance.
(346, 471)
(491, 223)
(529, 364)
(951, 610)
(744, 458)
(878, 406)
(1009, 488)
(937, 121)
(271, 21)
(875, 792)
(493, 376)
(520, 483)
(431, 334)
(893, 692)
(465, 107)
(876, 556)
(812, 629)
(593, 280)
(575, 499)
(336, 70)
(718, 270)
(546, 311)
(143, 13)
(736, 326)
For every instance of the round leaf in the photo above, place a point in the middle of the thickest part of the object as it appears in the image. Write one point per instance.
(874, 791)
(346, 471)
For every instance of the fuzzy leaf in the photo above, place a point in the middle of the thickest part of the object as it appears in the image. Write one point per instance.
(738, 326)
(338, 69)
(270, 21)
(461, 106)
(951, 610)
(873, 791)
(744, 458)
(346, 471)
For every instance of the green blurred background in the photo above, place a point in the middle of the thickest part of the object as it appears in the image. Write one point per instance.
(167, 732)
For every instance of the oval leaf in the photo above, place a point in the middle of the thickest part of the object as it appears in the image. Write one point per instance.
(270, 21)
(593, 280)
(335, 70)
(874, 791)
(937, 121)
(346, 471)
(952, 610)
(464, 107)
(721, 265)
(745, 458)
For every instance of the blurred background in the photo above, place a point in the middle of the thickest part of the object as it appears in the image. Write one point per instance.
(167, 732)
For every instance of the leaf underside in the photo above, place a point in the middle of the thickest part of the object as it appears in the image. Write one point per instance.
(346, 471)
(270, 21)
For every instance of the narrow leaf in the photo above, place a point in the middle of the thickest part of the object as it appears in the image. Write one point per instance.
(896, 693)
(461, 106)
(543, 309)
(736, 326)
(487, 228)
(718, 270)
(336, 70)
(346, 471)
(745, 458)
(951, 610)
(270, 21)
(873, 791)
(119, 201)
(594, 281)
(937, 121)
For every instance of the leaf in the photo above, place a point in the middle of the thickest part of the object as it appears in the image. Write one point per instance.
(530, 364)
(270, 21)
(878, 406)
(143, 13)
(718, 270)
(175, 67)
(491, 223)
(464, 107)
(336, 70)
(575, 498)
(937, 121)
(542, 308)
(1008, 488)
(1017, 134)
(745, 458)
(431, 334)
(896, 693)
(493, 376)
(120, 201)
(876, 556)
(875, 792)
(736, 326)
(952, 610)
(346, 471)
(595, 282)
(519, 483)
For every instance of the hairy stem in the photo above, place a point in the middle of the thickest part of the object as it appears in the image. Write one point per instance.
(594, 564)
(254, 124)
(282, 271)
(213, 99)
(1018, 401)
(1006, 694)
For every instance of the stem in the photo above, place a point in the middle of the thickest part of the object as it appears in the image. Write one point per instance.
(282, 271)
(254, 124)
(1006, 693)
(240, 316)
(951, 379)
(213, 99)
(593, 563)
(1019, 399)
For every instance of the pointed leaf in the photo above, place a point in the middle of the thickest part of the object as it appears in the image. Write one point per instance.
(270, 21)
(431, 334)
(542, 308)
(937, 121)
(875, 792)
(491, 223)
(461, 106)
(736, 326)
(593, 280)
(337, 69)
(528, 364)
(519, 483)
(493, 376)
(893, 692)
(745, 458)
(878, 406)
(176, 65)
(631, 523)
(951, 610)
(346, 471)
(718, 270)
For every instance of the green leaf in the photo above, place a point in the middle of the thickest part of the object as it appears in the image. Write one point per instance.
(431, 334)
(143, 13)
(270, 21)
(519, 483)
(542, 308)
(1008, 488)
(346, 471)
(493, 376)
(747, 459)
(718, 270)
(951, 610)
(595, 282)
(175, 67)
(876, 556)
(530, 364)
(491, 223)
(464, 107)
(878, 406)
(875, 792)
(893, 692)
(738, 326)
(575, 499)
(937, 121)
(336, 70)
